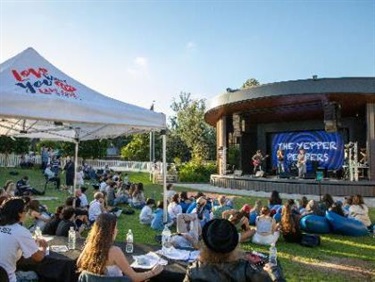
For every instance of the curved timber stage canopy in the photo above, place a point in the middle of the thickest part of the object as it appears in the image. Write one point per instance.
(250, 119)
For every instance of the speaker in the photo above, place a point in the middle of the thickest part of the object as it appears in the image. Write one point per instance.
(332, 116)
(284, 175)
(310, 175)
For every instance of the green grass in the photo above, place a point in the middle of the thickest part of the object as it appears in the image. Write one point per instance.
(339, 258)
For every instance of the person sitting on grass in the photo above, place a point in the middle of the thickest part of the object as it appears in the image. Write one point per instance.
(289, 224)
(203, 213)
(337, 208)
(146, 216)
(10, 188)
(15, 239)
(157, 220)
(267, 229)
(221, 260)
(138, 197)
(174, 208)
(188, 232)
(68, 220)
(51, 226)
(217, 211)
(101, 257)
(240, 219)
(185, 201)
(312, 207)
(40, 218)
(359, 211)
(170, 192)
(23, 188)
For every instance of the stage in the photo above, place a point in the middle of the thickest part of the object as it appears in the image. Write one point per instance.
(293, 185)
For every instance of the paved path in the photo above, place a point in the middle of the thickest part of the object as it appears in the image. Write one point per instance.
(369, 201)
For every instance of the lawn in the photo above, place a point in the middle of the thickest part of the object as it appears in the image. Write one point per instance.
(339, 258)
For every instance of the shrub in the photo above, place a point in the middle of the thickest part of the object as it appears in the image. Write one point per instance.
(193, 172)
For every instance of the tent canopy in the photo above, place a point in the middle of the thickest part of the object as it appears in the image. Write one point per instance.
(37, 100)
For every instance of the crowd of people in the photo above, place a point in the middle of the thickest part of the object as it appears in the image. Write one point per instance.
(211, 224)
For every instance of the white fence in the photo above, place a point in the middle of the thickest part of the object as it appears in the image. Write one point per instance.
(13, 160)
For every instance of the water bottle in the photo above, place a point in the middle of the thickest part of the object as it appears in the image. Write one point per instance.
(165, 237)
(272, 258)
(129, 242)
(37, 233)
(72, 238)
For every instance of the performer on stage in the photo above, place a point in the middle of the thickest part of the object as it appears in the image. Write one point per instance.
(280, 161)
(257, 161)
(301, 163)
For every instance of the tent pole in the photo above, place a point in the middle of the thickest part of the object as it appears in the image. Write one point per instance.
(75, 165)
(165, 208)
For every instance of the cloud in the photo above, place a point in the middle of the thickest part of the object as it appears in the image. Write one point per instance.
(139, 67)
(191, 45)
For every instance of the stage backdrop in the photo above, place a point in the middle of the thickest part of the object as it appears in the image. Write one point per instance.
(322, 149)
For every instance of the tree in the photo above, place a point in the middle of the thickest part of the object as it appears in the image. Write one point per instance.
(177, 148)
(189, 125)
(137, 149)
(251, 82)
(15, 145)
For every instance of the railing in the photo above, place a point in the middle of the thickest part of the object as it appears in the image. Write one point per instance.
(13, 160)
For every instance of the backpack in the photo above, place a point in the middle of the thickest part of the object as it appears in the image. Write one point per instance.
(310, 240)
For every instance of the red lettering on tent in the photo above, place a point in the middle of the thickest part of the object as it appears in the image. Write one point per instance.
(25, 73)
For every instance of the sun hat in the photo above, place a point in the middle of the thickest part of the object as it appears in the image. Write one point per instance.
(220, 236)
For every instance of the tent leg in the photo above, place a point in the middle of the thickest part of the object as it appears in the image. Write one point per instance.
(75, 166)
(165, 211)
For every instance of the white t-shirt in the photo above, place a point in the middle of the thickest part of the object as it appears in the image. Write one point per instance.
(15, 241)
(94, 210)
(84, 201)
(360, 213)
(145, 217)
(174, 209)
(79, 178)
(170, 194)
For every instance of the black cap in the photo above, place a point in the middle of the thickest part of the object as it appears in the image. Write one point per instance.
(220, 236)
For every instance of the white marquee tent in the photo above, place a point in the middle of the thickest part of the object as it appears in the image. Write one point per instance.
(37, 100)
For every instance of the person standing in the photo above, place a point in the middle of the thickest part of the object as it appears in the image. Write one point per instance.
(301, 163)
(44, 156)
(257, 161)
(280, 161)
(69, 172)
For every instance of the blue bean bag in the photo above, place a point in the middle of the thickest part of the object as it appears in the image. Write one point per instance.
(346, 226)
(252, 218)
(315, 224)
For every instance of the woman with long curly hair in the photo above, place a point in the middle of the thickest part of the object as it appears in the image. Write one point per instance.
(290, 223)
(101, 257)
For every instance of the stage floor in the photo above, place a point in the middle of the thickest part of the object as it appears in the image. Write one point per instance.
(293, 185)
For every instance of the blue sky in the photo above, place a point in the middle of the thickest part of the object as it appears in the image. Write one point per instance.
(140, 51)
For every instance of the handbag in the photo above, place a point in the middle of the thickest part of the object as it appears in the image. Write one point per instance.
(310, 240)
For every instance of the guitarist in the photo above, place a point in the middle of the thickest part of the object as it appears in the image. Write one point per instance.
(257, 161)
(301, 163)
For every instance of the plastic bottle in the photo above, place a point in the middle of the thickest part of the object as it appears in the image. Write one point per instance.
(72, 238)
(38, 233)
(129, 242)
(165, 237)
(272, 258)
